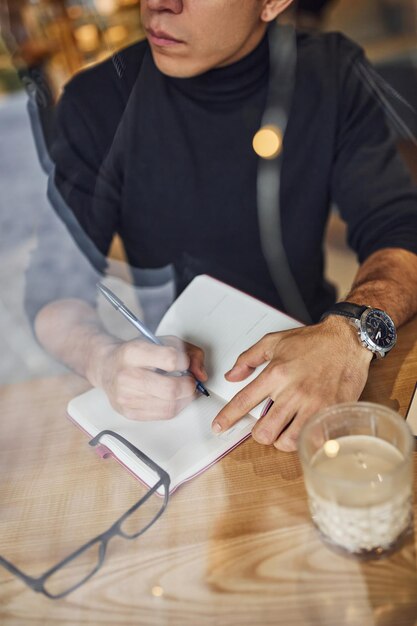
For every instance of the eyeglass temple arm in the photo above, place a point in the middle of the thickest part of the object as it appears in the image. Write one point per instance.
(33, 583)
(141, 455)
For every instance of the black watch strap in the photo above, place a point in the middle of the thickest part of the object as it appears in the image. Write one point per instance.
(346, 309)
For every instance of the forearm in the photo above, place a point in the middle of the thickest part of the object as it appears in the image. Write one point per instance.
(71, 331)
(387, 280)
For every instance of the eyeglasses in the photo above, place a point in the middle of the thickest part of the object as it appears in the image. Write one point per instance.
(73, 571)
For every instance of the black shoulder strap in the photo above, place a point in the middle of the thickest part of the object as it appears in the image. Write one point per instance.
(283, 60)
(41, 110)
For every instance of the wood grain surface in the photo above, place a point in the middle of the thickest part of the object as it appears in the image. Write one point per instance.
(235, 546)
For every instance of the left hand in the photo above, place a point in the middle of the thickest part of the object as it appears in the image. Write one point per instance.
(309, 368)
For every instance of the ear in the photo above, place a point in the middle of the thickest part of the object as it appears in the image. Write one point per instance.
(272, 8)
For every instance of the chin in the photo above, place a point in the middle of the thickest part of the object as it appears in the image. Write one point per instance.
(176, 68)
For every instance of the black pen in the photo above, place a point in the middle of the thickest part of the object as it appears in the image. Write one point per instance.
(140, 326)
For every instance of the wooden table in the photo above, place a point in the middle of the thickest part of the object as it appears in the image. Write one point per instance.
(235, 546)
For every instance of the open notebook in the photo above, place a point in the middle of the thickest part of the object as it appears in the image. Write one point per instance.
(224, 322)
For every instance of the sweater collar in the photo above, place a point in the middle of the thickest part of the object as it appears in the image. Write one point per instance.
(230, 83)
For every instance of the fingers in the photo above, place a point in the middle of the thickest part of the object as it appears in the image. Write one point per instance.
(147, 382)
(197, 362)
(136, 387)
(138, 353)
(269, 427)
(288, 438)
(151, 409)
(249, 360)
(243, 402)
(269, 384)
(146, 395)
(194, 353)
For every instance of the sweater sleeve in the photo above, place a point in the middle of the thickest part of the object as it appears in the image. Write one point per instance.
(370, 183)
(89, 186)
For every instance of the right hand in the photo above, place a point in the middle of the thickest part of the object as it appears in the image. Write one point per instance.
(126, 372)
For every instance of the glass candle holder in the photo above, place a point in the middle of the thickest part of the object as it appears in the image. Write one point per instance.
(357, 464)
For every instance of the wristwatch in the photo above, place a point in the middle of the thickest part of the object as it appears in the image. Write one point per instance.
(376, 330)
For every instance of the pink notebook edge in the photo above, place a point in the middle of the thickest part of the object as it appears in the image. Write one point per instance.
(103, 452)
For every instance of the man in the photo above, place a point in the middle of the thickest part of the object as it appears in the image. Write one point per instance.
(158, 148)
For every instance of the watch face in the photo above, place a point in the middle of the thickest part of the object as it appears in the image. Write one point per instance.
(378, 329)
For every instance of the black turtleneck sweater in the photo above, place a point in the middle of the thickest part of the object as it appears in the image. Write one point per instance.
(168, 164)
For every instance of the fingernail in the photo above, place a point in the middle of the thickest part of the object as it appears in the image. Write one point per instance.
(216, 428)
(285, 445)
(263, 436)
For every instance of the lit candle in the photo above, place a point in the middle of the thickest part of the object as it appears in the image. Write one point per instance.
(358, 475)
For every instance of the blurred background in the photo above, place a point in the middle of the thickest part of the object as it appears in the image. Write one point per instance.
(63, 36)
(53, 39)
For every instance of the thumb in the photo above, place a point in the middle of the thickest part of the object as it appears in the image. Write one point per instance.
(196, 355)
(249, 360)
